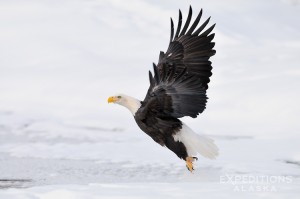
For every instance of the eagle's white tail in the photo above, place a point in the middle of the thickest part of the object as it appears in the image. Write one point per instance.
(196, 143)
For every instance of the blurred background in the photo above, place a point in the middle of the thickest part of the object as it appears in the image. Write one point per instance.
(61, 60)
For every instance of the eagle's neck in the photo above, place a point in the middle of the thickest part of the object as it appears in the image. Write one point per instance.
(131, 103)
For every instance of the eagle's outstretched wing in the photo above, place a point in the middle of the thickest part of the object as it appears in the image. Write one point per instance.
(190, 48)
(180, 80)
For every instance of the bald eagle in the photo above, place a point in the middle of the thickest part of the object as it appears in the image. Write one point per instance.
(178, 89)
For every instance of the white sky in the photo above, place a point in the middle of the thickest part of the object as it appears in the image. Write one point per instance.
(64, 58)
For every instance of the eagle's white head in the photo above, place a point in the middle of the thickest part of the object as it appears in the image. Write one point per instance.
(129, 102)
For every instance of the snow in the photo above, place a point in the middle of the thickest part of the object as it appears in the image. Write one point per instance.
(60, 139)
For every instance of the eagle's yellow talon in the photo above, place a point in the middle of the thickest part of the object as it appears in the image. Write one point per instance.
(189, 163)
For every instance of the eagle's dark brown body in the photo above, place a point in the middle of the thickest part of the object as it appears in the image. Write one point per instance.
(179, 85)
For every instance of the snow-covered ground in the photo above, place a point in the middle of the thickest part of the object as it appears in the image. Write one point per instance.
(59, 61)
(54, 159)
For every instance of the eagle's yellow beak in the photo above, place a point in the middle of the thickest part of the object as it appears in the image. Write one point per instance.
(111, 99)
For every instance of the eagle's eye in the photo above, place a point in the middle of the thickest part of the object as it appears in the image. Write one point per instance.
(119, 97)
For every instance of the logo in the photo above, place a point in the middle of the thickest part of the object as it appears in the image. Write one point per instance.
(255, 183)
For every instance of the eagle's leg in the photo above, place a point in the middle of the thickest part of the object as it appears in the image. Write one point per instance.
(189, 163)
